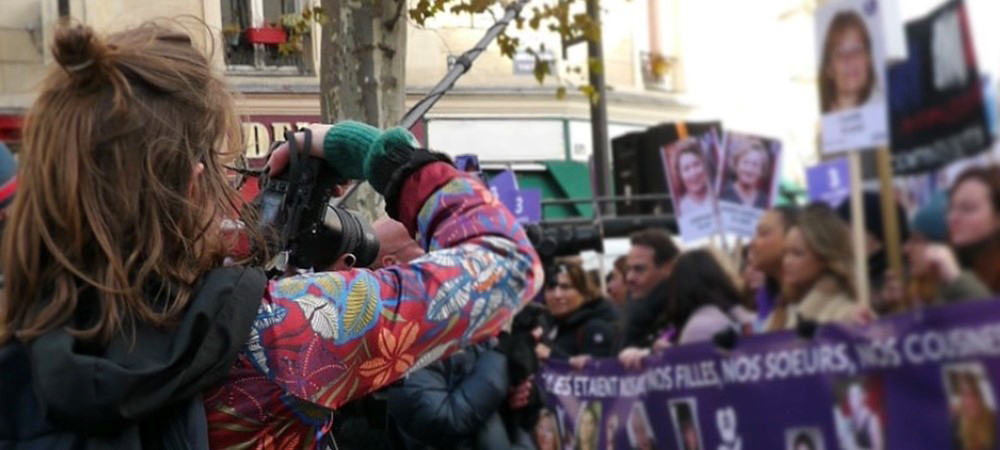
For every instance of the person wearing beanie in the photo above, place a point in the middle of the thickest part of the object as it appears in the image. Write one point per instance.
(878, 258)
(936, 276)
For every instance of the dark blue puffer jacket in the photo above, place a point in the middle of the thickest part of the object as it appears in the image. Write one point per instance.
(455, 404)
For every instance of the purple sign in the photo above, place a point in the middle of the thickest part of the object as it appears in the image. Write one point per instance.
(525, 204)
(829, 182)
(921, 380)
(504, 181)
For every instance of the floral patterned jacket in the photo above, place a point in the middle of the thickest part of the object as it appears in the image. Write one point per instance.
(323, 339)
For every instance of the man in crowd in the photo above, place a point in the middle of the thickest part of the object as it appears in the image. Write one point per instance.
(395, 244)
(650, 261)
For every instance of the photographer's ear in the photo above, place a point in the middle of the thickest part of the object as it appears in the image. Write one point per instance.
(344, 262)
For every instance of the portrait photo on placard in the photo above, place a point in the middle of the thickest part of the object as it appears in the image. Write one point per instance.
(804, 439)
(640, 431)
(749, 170)
(691, 167)
(851, 75)
(972, 406)
(859, 415)
(684, 414)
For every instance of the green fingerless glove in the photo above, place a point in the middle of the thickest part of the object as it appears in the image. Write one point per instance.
(346, 146)
(359, 151)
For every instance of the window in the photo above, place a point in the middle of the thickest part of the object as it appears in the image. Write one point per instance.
(254, 34)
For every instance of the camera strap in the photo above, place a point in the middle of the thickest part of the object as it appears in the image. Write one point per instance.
(296, 161)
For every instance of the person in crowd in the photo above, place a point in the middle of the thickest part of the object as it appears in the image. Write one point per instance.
(750, 166)
(584, 323)
(640, 432)
(546, 433)
(937, 276)
(753, 280)
(818, 282)
(456, 403)
(588, 426)
(650, 261)
(878, 258)
(704, 300)
(695, 184)
(975, 422)
(395, 244)
(974, 223)
(767, 252)
(453, 403)
(617, 287)
(130, 132)
(847, 73)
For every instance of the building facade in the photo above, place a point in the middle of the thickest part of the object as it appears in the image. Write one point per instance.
(277, 92)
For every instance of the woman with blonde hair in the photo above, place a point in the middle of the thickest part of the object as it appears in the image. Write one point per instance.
(691, 178)
(750, 172)
(818, 283)
(120, 325)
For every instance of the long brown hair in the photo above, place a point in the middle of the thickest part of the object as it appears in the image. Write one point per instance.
(982, 256)
(109, 210)
(829, 239)
(841, 23)
(579, 279)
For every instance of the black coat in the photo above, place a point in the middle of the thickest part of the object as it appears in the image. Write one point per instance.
(591, 330)
(644, 317)
(60, 393)
(454, 403)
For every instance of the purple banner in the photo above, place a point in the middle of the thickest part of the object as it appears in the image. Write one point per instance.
(924, 380)
(829, 182)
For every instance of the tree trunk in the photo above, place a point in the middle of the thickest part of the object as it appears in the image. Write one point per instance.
(362, 77)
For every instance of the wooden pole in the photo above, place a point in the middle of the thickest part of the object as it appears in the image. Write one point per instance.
(858, 232)
(890, 220)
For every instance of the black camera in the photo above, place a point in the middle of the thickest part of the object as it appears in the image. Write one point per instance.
(553, 242)
(298, 222)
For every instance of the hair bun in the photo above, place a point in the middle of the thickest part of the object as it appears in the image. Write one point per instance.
(79, 50)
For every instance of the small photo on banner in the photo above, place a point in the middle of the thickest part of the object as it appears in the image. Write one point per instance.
(684, 413)
(859, 415)
(851, 75)
(588, 425)
(640, 431)
(971, 404)
(692, 165)
(804, 439)
(937, 109)
(749, 181)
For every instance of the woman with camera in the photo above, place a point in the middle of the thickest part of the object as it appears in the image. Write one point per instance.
(120, 327)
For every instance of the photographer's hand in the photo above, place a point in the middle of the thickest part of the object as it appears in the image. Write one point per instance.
(278, 161)
(355, 151)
